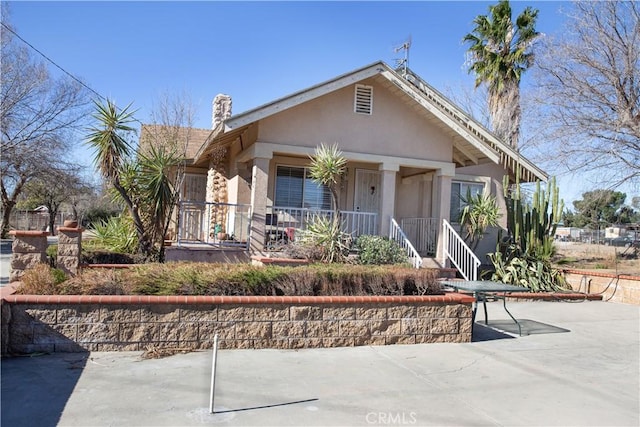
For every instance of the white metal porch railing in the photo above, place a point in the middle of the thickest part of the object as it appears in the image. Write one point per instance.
(397, 235)
(422, 233)
(200, 222)
(282, 220)
(457, 251)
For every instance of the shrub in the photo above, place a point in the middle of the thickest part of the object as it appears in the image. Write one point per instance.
(243, 279)
(379, 250)
(52, 255)
(325, 234)
(43, 280)
(115, 234)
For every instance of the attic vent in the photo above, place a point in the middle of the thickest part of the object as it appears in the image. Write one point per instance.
(363, 102)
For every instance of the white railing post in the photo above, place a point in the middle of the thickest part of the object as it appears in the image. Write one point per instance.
(396, 234)
(456, 250)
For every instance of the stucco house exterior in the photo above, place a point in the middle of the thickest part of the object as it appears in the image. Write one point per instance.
(411, 153)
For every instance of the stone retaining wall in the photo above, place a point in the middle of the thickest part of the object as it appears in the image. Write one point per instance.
(127, 323)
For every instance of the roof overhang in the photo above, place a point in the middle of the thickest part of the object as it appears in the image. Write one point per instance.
(478, 141)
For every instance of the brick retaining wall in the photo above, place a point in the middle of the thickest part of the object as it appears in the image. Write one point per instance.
(110, 323)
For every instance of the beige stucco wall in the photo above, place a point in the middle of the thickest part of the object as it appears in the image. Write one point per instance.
(393, 129)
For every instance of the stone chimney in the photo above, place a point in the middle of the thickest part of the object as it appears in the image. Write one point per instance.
(221, 107)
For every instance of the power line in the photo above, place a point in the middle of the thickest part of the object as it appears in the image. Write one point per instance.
(60, 68)
(52, 61)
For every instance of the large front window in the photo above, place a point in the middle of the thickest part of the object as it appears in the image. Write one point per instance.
(296, 189)
(460, 191)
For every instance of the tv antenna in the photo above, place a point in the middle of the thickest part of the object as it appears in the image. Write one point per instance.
(404, 62)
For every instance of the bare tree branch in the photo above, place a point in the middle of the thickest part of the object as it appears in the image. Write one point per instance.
(588, 102)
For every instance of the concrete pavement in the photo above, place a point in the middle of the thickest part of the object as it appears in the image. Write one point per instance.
(579, 366)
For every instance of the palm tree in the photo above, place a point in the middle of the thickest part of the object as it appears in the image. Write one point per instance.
(113, 157)
(499, 53)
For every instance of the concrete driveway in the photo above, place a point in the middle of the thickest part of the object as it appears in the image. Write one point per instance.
(578, 366)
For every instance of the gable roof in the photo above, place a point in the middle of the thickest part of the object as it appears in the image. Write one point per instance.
(194, 138)
(473, 143)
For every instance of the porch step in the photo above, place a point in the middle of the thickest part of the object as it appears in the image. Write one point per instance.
(443, 272)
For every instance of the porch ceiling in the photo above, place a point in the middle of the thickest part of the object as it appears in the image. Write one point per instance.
(464, 152)
(218, 140)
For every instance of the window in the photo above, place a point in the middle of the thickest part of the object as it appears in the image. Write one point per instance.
(294, 188)
(363, 102)
(459, 192)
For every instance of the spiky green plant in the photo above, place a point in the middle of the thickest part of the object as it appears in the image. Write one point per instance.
(523, 258)
(326, 234)
(532, 226)
(481, 212)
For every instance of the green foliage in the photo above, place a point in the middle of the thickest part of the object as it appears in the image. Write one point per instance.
(379, 250)
(599, 208)
(524, 259)
(530, 272)
(98, 213)
(116, 234)
(145, 184)
(481, 212)
(531, 227)
(52, 254)
(326, 234)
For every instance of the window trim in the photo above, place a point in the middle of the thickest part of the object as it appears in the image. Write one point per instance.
(305, 168)
(473, 180)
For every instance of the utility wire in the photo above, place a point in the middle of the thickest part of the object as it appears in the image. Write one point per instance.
(59, 67)
(52, 61)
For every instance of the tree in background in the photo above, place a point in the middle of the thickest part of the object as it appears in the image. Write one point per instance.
(500, 52)
(598, 208)
(53, 189)
(37, 114)
(588, 102)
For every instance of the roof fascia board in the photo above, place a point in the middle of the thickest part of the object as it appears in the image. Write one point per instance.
(482, 131)
(267, 149)
(418, 97)
(305, 95)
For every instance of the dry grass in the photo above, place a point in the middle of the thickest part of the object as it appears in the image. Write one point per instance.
(239, 279)
(603, 258)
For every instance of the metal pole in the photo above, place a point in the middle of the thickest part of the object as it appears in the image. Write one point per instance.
(213, 372)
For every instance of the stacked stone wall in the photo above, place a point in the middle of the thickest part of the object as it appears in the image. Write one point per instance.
(29, 248)
(74, 323)
(69, 249)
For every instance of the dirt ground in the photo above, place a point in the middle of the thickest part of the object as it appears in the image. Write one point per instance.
(585, 256)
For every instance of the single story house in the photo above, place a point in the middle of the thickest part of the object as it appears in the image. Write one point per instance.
(411, 155)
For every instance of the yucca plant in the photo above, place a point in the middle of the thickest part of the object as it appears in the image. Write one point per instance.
(326, 235)
(480, 213)
(328, 166)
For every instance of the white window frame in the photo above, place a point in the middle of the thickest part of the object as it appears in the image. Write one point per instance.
(484, 181)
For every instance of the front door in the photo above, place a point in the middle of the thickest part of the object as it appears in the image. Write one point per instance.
(367, 197)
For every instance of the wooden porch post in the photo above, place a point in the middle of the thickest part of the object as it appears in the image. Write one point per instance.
(388, 200)
(259, 185)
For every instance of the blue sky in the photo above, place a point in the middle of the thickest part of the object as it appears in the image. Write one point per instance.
(254, 51)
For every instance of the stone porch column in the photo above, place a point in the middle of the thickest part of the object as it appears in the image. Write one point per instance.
(69, 249)
(29, 249)
(441, 193)
(388, 199)
(259, 184)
